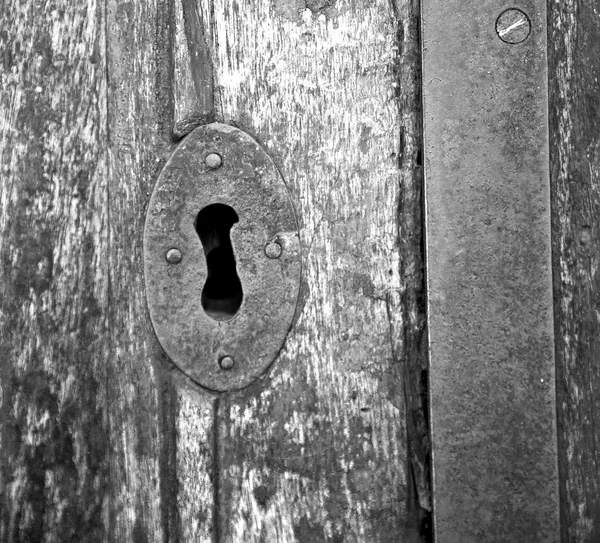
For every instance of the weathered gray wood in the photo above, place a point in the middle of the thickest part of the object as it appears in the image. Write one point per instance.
(95, 429)
(317, 450)
(88, 99)
(101, 439)
(160, 424)
(54, 282)
(138, 123)
(574, 58)
(195, 465)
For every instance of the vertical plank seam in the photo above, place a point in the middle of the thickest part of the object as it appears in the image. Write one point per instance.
(216, 473)
(414, 366)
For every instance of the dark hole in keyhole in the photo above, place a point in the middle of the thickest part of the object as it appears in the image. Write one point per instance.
(222, 293)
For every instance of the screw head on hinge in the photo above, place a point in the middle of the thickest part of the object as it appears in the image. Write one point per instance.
(513, 26)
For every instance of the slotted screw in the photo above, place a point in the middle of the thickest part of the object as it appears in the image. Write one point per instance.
(513, 26)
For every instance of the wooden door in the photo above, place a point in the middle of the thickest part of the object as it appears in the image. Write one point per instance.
(101, 437)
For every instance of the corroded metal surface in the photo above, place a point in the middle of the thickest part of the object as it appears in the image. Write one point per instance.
(492, 388)
(248, 181)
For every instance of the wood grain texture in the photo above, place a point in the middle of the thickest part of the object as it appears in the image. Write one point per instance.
(195, 473)
(574, 62)
(102, 440)
(161, 433)
(99, 440)
(54, 282)
(95, 426)
(137, 141)
(317, 450)
(193, 95)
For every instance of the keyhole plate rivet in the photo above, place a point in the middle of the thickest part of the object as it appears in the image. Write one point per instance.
(513, 26)
(174, 256)
(226, 362)
(213, 161)
(225, 295)
(273, 249)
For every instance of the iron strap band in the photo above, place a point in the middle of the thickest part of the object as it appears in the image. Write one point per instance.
(489, 275)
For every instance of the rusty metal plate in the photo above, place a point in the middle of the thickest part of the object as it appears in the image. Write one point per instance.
(489, 278)
(221, 258)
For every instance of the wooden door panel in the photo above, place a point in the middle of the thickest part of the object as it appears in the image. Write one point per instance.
(162, 426)
(317, 449)
(101, 438)
(104, 439)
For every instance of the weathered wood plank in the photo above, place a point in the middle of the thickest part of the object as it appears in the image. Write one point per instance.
(161, 425)
(317, 451)
(103, 441)
(195, 416)
(185, 96)
(96, 431)
(54, 282)
(195, 441)
(138, 140)
(193, 94)
(574, 61)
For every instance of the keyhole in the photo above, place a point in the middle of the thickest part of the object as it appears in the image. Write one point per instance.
(222, 293)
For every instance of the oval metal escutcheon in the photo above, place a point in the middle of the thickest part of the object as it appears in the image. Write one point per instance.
(221, 258)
